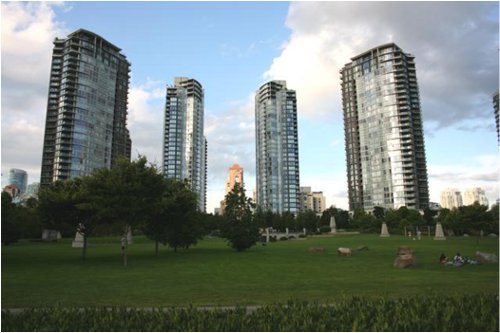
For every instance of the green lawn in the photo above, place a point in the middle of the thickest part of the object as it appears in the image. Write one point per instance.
(39, 274)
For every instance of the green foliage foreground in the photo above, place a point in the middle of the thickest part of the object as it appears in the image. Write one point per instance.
(422, 313)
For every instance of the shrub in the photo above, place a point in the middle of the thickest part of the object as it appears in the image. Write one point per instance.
(324, 229)
(403, 314)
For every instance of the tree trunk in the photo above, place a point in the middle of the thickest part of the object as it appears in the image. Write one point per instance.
(125, 247)
(84, 248)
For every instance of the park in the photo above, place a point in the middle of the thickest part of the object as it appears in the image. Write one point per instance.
(182, 270)
(213, 275)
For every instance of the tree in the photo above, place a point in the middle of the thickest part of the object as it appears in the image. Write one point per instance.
(308, 220)
(64, 206)
(240, 229)
(379, 213)
(179, 211)
(365, 222)
(126, 195)
(341, 217)
(10, 231)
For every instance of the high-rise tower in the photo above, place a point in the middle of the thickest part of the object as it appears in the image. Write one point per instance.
(19, 178)
(85, 127)
(386, 164)
(184, 146)
(497, 118)
(235, 176)
(277, 148)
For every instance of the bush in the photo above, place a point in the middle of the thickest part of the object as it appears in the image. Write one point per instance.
(403, 314)
(324, 229)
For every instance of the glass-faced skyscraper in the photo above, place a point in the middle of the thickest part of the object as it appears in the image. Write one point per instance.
(19, 178)
(184, 146)
(85, 127)
(277, 148)
(384, 142)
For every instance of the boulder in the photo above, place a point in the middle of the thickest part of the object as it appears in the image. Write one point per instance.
(405, 261)
(486, 258)
(344, 251)
(403, 249)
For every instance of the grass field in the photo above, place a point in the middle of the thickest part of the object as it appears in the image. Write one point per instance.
(212, 274)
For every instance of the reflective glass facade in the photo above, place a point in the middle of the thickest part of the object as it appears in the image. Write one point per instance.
(385, 152)
(19, 178)
(85, 127)
(277, 148)
(184, 146)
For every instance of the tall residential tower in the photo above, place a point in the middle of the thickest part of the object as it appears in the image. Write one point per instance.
(86, 122)
(384, 141)
(235, 176)
(277, 148)
(184, 146)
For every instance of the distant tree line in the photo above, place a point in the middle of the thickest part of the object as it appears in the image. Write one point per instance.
(135, 196)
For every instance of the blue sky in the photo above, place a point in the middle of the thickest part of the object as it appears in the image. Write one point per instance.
(234, 47)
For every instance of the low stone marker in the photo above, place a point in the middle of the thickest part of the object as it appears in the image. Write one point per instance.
(78, 241)
(333, 225)
(384, 232)
(439, 232)
(344, 251)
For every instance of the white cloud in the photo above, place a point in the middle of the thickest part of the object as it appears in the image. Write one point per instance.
(145, 119)
(28, 29)
(456, 52)
(231, 139)
(482, 172)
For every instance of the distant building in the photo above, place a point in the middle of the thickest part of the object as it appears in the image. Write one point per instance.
(86, 121)
(33, 189)
(235, 176)
(19, 178)
(451, 198)
(314, 201)
(434, 206)
(277, 148)
(384, 140)
(472, 195)
(184, 145)
(497, 120)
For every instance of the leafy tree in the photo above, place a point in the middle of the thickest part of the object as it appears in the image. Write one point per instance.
(429, 216)
(10, 231)
(492, 226)
(126, 195)
(240, 229)
(64, 206)
(341, 217)
(58, 205)
(308, 220)
(379, 213)
(179, 211)
(28, 220)
(365, 222)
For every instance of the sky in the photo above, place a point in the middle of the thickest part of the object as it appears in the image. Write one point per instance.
(232, 48)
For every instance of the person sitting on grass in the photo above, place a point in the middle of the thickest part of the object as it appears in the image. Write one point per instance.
(458, 260)
(443, 259)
